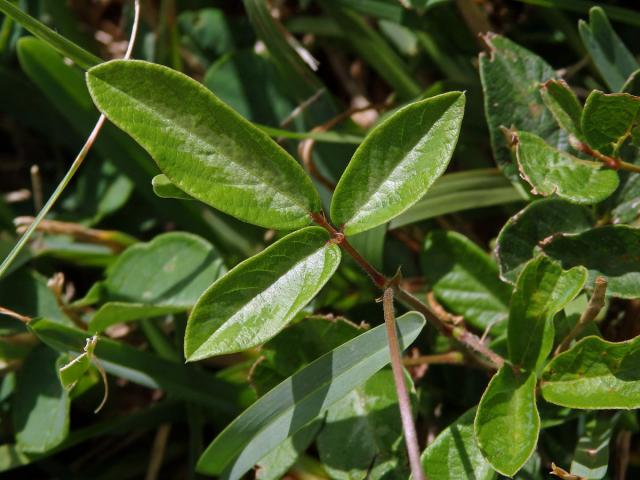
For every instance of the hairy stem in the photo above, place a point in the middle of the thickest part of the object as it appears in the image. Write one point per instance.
(596, 302)
(74, 166)
(410, 435)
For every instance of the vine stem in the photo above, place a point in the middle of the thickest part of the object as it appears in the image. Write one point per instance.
(74, 166)
(410, 435)
(611, 162)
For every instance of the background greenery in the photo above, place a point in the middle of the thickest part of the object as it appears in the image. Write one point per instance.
(123, 256)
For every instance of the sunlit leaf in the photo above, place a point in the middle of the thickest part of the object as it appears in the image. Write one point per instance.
(205, 148)
(595, 374)
(257, 299)
(507, 422)
(400, 159)
(551, 171)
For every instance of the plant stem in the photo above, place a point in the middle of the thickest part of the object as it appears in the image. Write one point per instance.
(462, 337)
(410, 435)
(74, 166)
(596, 302)
(611, 162)
(449, 358)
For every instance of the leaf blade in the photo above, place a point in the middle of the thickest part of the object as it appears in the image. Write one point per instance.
(271, 419)
(256, 299)
(595, 374)
(205, 148)
(507, 422)
(542, 290)
(398, 176)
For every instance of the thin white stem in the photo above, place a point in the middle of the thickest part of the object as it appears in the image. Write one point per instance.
(74, 166)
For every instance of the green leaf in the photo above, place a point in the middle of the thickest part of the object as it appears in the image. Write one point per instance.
(511, 78)
(165, 275)
(611, 57)
(465, 279)
(542, 290)
(163, 188)
(607, 119)
(591, 456)
(595, 374)
(257, 299)
(362, 434)
(172, 269)
(551, 171)
(455, 454)
(519, 238)
(205, 148)
(300, 399)
(277, 463)
(40, 404)
(460, 191)
(67, 48)
(145, 368)
(609, 251)
(564, 105)
(507, 422)
(400, 159)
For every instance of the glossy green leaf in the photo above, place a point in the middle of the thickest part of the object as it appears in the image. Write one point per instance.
(163, 188)
(455, 454)
(611, 57)
(165, 275)
(144, 368)
(542, 290)
(591, 456)
(203, 146)
(564, 105)
(465, 279)
(519, 238)
(300, 399)
(551, 171)
(607, 119)
(507, 422)
(69, 49)
(595, 374)
(610, 251)
(40, 410)
(397, 163)
(257, 299)
(460, 191)
(362, 434)
(511, 76)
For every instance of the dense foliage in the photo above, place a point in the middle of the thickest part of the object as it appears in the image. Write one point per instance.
(211, 288)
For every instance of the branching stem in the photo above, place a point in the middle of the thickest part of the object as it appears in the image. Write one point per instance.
(611, 162)
(410, 435)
